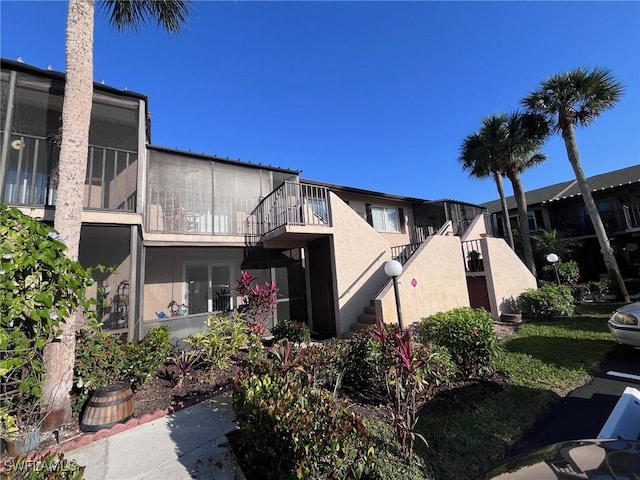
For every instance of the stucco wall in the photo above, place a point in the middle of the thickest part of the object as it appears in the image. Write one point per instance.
(507, 276)
(359, 254)
(476, 230)
(357, 203)
(440, 282)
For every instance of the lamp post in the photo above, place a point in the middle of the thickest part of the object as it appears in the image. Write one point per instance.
(552, 258)
(393, 269)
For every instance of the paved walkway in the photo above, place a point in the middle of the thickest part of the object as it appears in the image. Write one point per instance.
(188, 444)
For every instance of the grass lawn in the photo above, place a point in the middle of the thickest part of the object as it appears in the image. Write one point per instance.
(469, 431)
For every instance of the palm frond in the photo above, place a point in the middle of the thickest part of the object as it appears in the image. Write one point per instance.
(578, 96)
(171, 15)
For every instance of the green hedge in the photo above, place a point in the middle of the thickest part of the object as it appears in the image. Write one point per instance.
(290, 430)
(468, 335)
(547, 302)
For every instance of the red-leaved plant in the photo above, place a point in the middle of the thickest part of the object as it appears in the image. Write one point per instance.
(259, 301)
(407, 386)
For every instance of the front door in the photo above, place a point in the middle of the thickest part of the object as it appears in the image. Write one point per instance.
(323, 322)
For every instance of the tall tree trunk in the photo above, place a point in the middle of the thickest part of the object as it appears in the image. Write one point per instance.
(521, 200)
(76, 114)
(505, 209)
(569, 137)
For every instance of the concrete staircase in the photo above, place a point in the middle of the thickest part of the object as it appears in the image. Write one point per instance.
(366, 319)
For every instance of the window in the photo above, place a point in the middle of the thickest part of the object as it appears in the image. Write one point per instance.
(385, 219)
(535, 219)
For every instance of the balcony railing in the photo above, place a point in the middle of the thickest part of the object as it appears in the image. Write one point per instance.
(613, 221)
(402, 253)
(632, 215)
(110, 183)
(472, 252)
(291, 204)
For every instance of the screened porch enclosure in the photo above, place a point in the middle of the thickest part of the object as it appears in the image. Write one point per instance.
(203, 196)
(30, 134)
(202, 281)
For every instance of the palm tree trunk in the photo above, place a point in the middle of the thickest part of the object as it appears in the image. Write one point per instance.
(76, 115)
(505, 209)
(521, 200)
(568, 135)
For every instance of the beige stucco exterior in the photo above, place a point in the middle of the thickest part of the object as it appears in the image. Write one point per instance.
(358, 204)
(432, 281)
(359, 257)
(477, 229)
(507, 276)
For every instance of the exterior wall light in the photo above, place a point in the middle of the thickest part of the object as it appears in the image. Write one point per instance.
(393, 269)
(552, 258)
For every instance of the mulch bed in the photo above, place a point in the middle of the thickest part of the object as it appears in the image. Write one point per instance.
(160, 396)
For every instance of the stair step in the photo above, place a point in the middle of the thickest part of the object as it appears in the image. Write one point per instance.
(367, 319)
(356, 327)
(370, 309)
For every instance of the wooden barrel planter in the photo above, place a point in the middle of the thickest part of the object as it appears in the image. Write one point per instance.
(107, 407)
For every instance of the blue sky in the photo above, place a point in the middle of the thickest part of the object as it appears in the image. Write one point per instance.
(374, 95)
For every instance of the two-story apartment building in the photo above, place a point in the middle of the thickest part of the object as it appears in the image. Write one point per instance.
(560, 207)
(179, 227)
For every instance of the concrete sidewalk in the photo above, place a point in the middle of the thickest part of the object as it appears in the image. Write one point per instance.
(190, 443)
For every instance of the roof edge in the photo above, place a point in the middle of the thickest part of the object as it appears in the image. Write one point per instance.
(56, 75)
(227, 160)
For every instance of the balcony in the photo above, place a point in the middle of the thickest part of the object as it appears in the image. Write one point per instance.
(614, 221)
(110, 183)
(291, 205)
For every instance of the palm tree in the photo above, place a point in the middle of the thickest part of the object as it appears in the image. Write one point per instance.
(476, 156)
(578, 97)
(511, 142)
(76, 114)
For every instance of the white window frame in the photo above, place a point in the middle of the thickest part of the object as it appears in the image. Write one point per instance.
(383, 228)
(531, 216)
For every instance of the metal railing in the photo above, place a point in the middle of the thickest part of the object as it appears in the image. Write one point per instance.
(402, 253)
(291, 204)
(110, 181)
(472, 253)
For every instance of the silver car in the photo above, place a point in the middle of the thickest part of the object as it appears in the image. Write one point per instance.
(601, 459)
(624, 324)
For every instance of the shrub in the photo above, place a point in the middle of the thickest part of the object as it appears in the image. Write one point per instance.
(546, 302)
(39, 287)
(53, 465)
(324, 364)
(568, 272)
(147, 356)
(223, 337)
(187, 362)
(389, 463)
(367, 362)
(296, 332)
(289, 429)
(259, 302)
(100, 360)
(441, 367)
(468, 335)
(599, 289)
